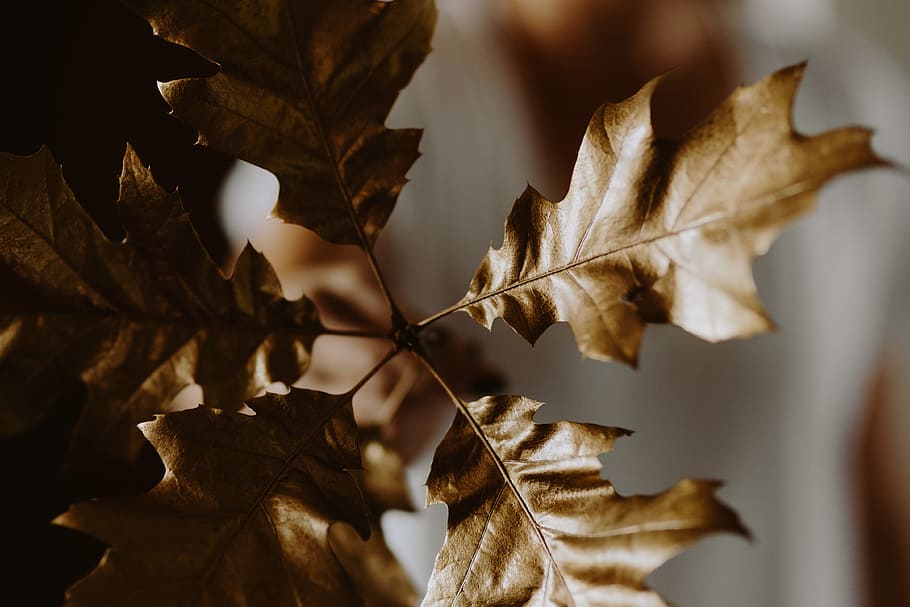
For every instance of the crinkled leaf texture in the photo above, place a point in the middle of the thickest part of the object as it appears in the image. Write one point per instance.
(662, 231)
(532, 523)
(136, 320)
(242, 514)
(304, 90)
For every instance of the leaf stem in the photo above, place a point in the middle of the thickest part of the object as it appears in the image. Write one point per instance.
(385, 359)
(439, 315)
(366, 334)
(398, 319)
(431, 368)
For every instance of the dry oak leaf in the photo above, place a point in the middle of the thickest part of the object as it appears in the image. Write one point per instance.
(136, 320)
(242, 513)
(372, 566)
(304, 90)
(661, 231)
(532, 523)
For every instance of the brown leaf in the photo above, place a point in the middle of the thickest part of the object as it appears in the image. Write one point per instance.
(661, 231)
(531, 521)
(371, 565)
(242, 514)
(138, 320)
(304, 90)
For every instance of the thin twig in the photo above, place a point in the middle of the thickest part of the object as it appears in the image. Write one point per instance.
(393, 400)
(441, 314)
(442, 383)
(357, 333)
(385, 359)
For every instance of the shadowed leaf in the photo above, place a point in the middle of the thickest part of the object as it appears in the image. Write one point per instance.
(138, 320)
(303, 91)
(242, 514)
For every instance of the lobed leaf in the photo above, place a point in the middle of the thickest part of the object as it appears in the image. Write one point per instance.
(137, 320)
(303, 91)
(242, 514)
(532, 523)
(662, 231)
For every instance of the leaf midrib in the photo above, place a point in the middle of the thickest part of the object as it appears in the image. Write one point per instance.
(51, 245)
(798, 188)
(503, 471)
(222, 548)
(329, 150)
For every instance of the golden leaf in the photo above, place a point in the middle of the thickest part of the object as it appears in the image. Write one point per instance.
(304, 90)
(242, 514)
(531, 521)
(661, 231)
(137, 320)
(371, 565)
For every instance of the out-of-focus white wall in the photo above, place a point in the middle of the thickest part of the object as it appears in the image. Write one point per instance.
(802, 23)
(885, 21)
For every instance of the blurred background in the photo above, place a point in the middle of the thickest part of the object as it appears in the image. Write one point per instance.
(809, 427)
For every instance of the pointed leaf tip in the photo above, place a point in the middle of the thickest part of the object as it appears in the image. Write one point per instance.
(652, 233)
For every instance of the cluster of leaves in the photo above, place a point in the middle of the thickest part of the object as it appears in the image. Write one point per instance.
(270, 505)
